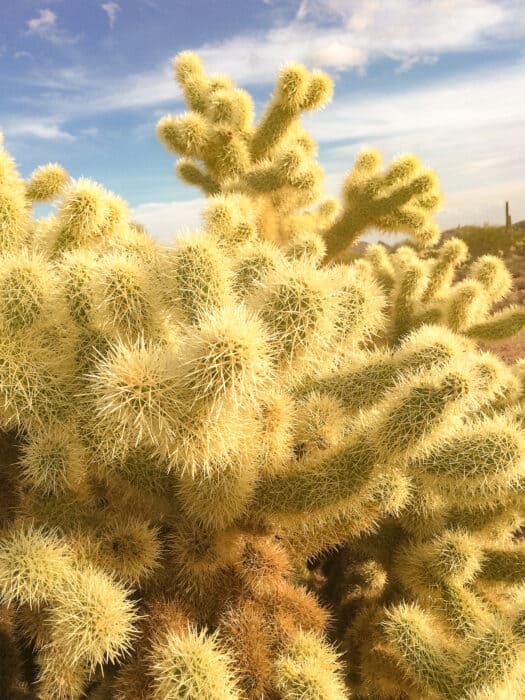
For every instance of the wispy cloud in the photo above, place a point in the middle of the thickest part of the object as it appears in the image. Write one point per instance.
(145, 89)
(164, 220)
(81, 93)
(111, 9)
(36, 128)
(45, 23)
(483, 99)
(406, 32)
(408, 26)
(337, 34)
(470, 130)
(45, 26)
(73, 80)
(407, 63)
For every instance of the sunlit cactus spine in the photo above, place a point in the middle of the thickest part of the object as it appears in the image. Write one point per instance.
(14, 204)
(403, 198)
(423, 288)
(46, 182)
(307, 668)
(238, 466)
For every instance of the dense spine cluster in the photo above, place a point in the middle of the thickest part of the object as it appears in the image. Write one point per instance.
(237, 468)
(421, 289)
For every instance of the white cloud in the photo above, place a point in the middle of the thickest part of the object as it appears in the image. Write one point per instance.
(407, 63)
(404, 31)
(264, 53)
(335, 54)
(36, 128)
(111, 9)
(45, 23)
(164, 220)
(360, 33)
(486, 99)
(46, 27)
(401, 25)
(140, 90)
(70, 79)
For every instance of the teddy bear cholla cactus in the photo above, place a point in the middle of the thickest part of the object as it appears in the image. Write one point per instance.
(274, 163)
(194, 421)
(421, 289)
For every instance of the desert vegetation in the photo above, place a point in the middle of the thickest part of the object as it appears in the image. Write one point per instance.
(246, 466)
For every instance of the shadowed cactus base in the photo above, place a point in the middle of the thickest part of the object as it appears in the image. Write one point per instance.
(236, 467)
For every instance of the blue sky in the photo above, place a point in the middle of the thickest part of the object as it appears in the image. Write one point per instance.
(84, 82)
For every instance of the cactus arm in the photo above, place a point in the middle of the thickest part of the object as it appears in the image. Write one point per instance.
(191, 174)
(419, 644)
(316, 486)
(503, 324)
(391, 201)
